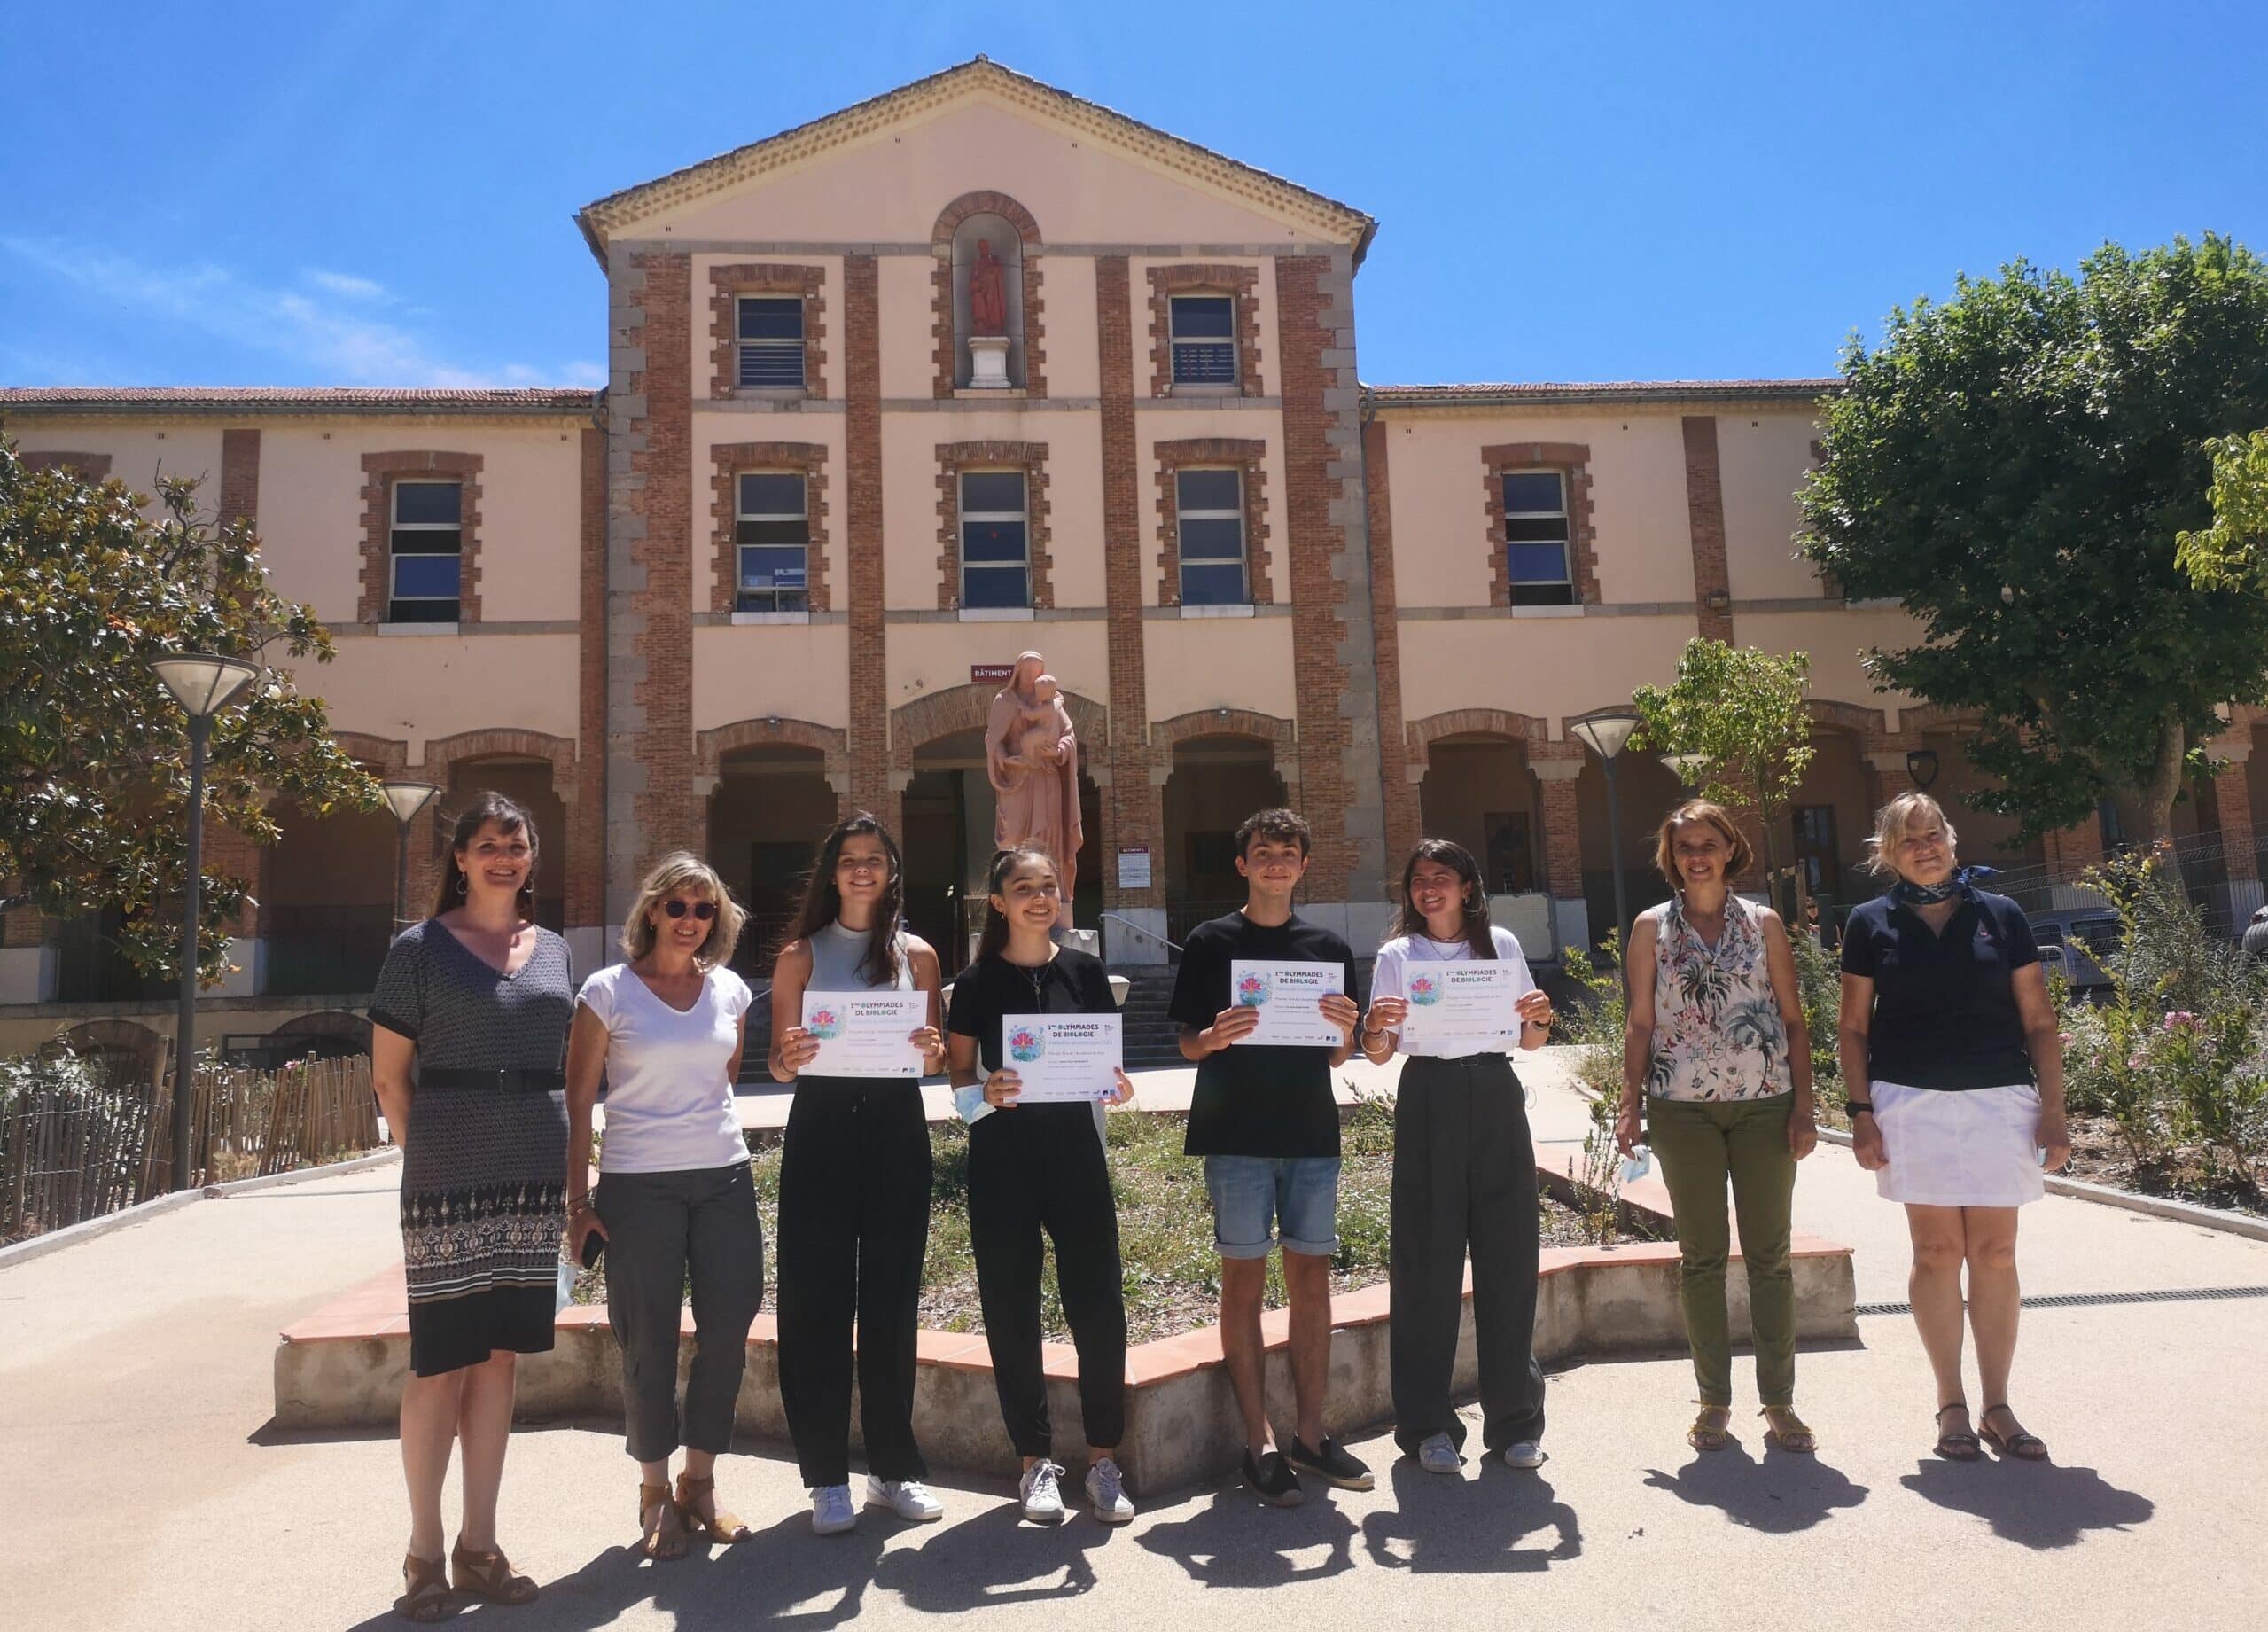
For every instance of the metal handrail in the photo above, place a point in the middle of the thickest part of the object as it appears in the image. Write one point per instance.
(1150, 935)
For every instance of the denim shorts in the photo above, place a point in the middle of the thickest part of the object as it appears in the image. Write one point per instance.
(1251, 1194)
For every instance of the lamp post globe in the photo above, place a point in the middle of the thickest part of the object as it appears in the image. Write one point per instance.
(1606, 734)
(203, 683)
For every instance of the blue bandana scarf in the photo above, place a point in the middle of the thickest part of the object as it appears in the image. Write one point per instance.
(1911, 894)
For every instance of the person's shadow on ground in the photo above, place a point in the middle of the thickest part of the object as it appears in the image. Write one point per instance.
(2036, 1504)
(1235, 1540)
(782, 1577)
(1786, 1492)
(996, 1558)
(1470, 1526)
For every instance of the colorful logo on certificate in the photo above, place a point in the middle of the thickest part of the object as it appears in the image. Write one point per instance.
(1252, 991)
(1026, 1045)
(825, 1023)
(1422, 991)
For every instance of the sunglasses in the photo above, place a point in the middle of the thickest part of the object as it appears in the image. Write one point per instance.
(702, 910)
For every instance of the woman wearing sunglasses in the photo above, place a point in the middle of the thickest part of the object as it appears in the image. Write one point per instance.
(674, 1202)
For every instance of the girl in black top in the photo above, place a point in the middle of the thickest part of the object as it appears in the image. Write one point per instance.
(1955, 1076)
(1040, 1167)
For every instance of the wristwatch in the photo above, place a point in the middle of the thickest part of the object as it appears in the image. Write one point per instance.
(1859, 1107)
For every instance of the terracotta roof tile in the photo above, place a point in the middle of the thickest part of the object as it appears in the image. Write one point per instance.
(1596, 391)
(512, 401)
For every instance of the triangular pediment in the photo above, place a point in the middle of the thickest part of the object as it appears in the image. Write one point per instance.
(878, 120)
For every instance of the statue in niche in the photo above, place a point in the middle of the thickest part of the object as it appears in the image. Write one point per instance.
(987, 293)
(1032, 759)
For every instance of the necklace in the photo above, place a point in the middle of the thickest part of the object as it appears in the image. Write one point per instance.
(1038, 979)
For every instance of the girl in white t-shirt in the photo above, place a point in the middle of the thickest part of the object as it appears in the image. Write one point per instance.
(1464, 1173)
(674, 1200)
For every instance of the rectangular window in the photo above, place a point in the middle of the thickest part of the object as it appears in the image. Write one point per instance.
(995, 552)
(772, 533)
(1210, 515)
(1815, 846)
(771, 341)
(1204, 340)
(1535, 539)
(428, 543)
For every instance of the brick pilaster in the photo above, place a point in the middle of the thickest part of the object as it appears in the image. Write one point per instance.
(585, 834)
(871, 787)
(1563, 826)
(2232, 803)
(1328, 549)
(239, 496)
(1705, 502)
(1133, 811)
(1405, 818)
(650, 805)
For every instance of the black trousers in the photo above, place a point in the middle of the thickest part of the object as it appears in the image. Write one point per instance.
(854, 1198)
(1034, 1168)
(663, 1230)
(1464, 1179)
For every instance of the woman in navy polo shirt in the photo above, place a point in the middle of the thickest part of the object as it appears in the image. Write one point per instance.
(1956, 1074)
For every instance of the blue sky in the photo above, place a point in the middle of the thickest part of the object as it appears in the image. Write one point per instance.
(380, 194)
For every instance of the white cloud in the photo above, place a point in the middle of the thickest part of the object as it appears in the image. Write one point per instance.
(325, 326)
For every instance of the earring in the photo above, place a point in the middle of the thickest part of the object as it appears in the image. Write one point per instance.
(464, 881)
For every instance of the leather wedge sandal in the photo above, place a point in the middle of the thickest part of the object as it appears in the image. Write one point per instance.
(488, 1576)
(425, 1589)
(722, 1526)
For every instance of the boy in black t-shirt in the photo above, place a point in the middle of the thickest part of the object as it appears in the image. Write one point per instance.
(1265, 1123)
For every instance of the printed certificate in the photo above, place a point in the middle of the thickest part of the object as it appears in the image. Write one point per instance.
(865, 1034)
(1460, 1008)
(1061, 1057)
(1286, 995)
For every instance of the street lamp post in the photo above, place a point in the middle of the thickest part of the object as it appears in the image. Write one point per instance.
(203, 684)
(1605, 735)
(406, 799)
(1687, 767)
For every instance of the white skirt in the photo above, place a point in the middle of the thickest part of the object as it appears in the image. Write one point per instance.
(1975, 1147)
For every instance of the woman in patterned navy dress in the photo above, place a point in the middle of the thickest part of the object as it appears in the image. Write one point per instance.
(482, 999)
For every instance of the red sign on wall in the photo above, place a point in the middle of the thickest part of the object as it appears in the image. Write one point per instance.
(990, 674)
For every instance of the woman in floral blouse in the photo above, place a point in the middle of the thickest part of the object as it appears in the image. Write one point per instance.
(1718, 1049)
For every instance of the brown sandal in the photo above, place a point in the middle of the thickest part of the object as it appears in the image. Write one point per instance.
(425, 1594)
(1708, 1429)
(659, 1523)
(724, 1527)
(488, 1576)
(2024, 1447)
(1787, 1431)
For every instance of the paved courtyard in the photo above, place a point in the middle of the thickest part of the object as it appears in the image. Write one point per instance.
(146, 1492)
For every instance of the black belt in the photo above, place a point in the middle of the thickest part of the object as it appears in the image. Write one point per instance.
(498, 1081)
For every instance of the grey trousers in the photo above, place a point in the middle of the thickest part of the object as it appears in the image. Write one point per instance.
(663, 1229)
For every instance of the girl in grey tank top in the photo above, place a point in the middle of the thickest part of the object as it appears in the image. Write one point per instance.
(837, 954)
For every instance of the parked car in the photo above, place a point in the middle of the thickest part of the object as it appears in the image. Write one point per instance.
(2074, 941)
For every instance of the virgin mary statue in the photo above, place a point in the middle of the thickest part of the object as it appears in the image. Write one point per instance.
(1032, 760)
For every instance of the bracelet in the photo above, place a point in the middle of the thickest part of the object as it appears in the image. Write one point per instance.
(1374, 1031)
(579, 1204)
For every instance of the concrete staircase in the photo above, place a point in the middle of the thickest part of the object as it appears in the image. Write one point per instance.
(1151, 1039)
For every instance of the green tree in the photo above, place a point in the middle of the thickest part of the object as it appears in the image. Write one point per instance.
(94, 753)
(2232, 553)
(2013, 467)
(1741, 710)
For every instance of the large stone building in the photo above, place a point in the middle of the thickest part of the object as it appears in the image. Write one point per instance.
(763, 576)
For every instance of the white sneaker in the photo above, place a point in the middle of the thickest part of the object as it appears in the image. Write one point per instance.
(1523, 1453)
(1438, 1455)
(1106, 1491)
(831, 1512)
(1041, 1490)
(908, 1498)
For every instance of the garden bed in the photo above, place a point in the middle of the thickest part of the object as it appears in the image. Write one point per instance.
(1166, 1240)
(2192, 1173)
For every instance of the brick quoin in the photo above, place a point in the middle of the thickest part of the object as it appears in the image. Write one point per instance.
(728, 461)
(586, 902)
(1330, 633)
(664, 813)
(869, 712)
(727, 285)
(1134, 815)
(239, 496)
(1573, 461)
(1405, 816)
(380, 471)
(1704, 500)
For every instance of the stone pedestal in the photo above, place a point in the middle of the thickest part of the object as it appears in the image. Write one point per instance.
(988, 363)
